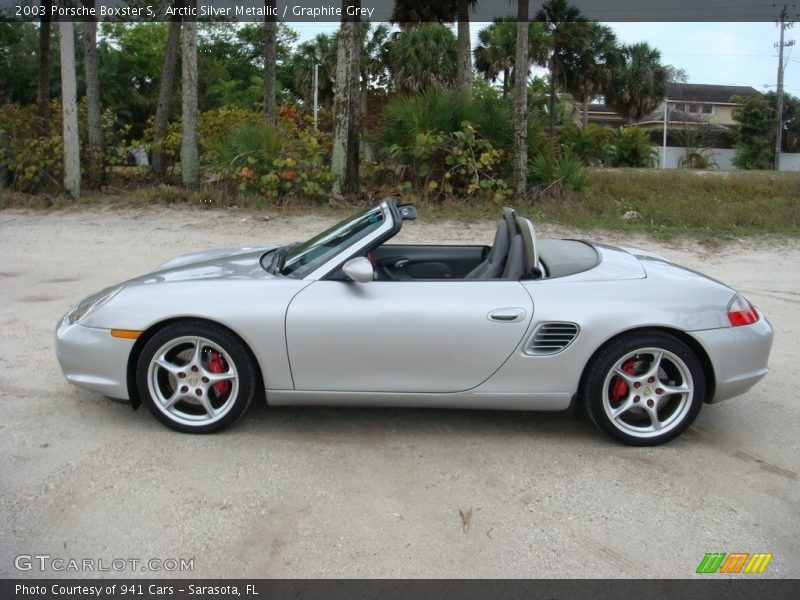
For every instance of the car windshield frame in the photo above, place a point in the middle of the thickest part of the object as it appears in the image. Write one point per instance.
(305, 258)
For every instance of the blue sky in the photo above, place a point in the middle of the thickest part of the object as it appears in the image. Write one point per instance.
(719, 53)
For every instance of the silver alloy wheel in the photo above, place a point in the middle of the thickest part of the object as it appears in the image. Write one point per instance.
(648, 392)
(193, 381)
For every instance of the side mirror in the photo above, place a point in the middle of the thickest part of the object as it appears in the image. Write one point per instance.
(358, 269)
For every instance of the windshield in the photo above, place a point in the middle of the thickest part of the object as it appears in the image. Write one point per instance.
(312, 254)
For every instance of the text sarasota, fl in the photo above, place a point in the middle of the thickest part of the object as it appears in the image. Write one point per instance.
(306, 12)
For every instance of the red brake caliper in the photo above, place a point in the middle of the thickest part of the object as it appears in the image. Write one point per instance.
(620, 389)
(216, 364)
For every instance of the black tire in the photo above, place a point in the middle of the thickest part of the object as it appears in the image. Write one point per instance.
(205, 378)
(640, 410)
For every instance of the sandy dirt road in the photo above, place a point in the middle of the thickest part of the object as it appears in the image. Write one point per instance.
(323, 492)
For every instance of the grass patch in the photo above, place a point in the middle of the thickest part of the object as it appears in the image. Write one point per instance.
(702, 204)
(686, 202)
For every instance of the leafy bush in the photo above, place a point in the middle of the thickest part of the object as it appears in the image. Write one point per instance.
(273, 161)
(593, 145)
(452, 144)
(632, 148)
(554, 174)
(697, 158)
(444, 111)
(455, 163)
(32, 154)
(755, 141)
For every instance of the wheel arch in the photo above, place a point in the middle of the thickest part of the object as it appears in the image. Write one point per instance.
(691, 342)
(147, 334)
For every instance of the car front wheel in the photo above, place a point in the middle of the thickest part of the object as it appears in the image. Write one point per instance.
(196, 377)
(644, 389)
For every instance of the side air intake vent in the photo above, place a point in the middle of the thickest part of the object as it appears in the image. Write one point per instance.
(552, 338)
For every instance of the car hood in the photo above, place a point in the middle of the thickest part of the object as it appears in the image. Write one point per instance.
(222, 263)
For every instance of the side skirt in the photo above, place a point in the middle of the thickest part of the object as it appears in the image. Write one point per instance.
(464, 400)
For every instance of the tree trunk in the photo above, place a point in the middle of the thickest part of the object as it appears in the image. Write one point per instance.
(190, 169)
(506, 82)
(585, 106)
(43, 86)
(351, 184)
(158, 167)
(551, 103)
(366, 147)
(270, 61)
(3, 168)
(94, 161)
(464, 48)
(69, 101)
(344, 156)
(520, 159)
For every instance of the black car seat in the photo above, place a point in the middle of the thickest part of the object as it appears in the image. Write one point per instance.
(493, 265)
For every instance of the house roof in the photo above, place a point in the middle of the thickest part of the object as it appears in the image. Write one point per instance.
(703, 92)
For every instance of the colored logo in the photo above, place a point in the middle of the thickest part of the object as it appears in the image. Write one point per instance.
(734, 562)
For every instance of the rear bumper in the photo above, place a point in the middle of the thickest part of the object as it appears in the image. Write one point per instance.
(739, 356)
(93, 360)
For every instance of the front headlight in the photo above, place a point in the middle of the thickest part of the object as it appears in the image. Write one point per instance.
(91, 304)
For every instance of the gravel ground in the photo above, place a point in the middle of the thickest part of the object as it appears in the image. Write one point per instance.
(323, 492)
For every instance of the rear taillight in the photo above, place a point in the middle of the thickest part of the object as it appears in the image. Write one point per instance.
(741, 312)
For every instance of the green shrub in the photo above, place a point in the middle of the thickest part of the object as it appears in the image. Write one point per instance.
(33, 153)
(593, 144)
(554, 174)
(633, 148)
(457, 163)
(274, 161)
(697, 158)
(441, 110)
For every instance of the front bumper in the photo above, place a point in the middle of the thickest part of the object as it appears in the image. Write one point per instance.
(93, 360)
(739, 356)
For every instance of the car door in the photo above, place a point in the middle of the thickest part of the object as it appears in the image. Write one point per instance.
(403, 336)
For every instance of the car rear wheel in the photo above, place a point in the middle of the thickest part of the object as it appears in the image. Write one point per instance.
(196, 377)
(644, 388)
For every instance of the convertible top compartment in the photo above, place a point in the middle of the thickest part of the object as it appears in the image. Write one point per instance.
(567, 257)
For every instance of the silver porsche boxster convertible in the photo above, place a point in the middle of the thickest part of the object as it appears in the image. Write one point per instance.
(346, 318)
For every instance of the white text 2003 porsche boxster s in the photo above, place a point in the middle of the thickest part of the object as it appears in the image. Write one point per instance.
(346, 318)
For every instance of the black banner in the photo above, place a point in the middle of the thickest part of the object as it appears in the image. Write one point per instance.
(379, 10)
(347, 589)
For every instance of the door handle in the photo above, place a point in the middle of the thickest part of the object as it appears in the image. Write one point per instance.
(401, 263)
(507, 315)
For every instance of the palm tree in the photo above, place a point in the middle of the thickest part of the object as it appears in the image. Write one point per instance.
(464, 57)
(423, 57)
(345, 154)
(495, 54)
(410, 13)
(639, 82)
(321, 50)
(43, 86)
(373, 58)
(270, 60)
(158, 166)
(69, 102)
(563, 22)
(519, 177)
(588, 69)
(190, 169)
(95, 171)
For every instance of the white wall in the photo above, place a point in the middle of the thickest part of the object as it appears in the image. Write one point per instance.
(723, 158)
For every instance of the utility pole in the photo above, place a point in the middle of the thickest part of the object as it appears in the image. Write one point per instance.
(315, 85)
(781, 45)
(664, 145)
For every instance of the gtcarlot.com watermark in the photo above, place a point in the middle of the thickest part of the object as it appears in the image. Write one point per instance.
(48, 562)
